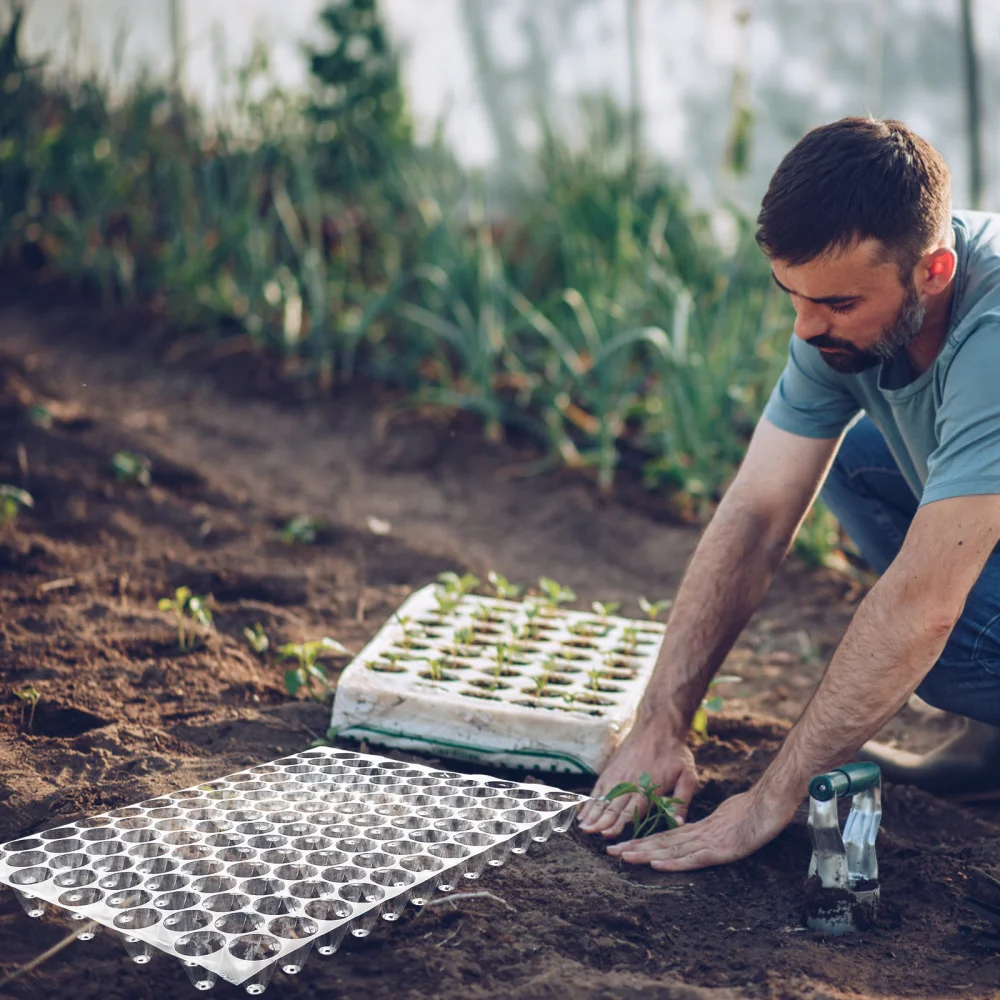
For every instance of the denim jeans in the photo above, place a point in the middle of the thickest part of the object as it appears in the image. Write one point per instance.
(871, 499)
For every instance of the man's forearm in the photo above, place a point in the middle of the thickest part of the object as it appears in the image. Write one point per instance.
(728, 576)
(892, 643)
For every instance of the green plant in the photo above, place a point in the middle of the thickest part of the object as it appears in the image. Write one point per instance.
(502, 587)
(301, 530)
(699, 724)
(540, 682)
(653, 609)
(435, 668)
(553, 593)
(30, 696)
(465, 636)
(129, 467)
(594, 678)
(191, 612)
(457, 586)
(257, 637)
(309, 673)
(659, 809)
(605, 609)
(12, 499)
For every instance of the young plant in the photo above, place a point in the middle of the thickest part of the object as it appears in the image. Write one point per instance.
(501, 660)
(659, 809)
(257, 638)
(699, 724)
(301, 530)
(502, 587)
(457, 586)
(128, 467)
(604, 609)
(652, 610)
(310, 673)
(594, 677)
(465, 636)
(446, 603)
(29, 696)
(541, 682)
(435, 669)
(12, 499)
(192, 613)
(553, 593)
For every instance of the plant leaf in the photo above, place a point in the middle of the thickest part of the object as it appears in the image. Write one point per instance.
(622, 788)
(293, 681)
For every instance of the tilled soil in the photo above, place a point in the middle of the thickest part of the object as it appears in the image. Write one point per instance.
(124, 716)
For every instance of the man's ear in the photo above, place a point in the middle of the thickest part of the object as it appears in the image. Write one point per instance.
(935, 270)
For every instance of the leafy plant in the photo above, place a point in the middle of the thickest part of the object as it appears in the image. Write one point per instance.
(605, 609)
(594, 678)
(502, 587)
(699, 724)
(129, 467)
(554, 593)
(191, 612)
(301, 530)
(257, 637)
(540, 682)
(457, 586)
(653, 609)
(435, 668)
(12, 499)
(30, 696)
(309, 673)
(659, 809)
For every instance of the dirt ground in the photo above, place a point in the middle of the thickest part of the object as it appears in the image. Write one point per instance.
(123, 716)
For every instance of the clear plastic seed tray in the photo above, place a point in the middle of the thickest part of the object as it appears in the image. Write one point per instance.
(251, 871)
(503, 682)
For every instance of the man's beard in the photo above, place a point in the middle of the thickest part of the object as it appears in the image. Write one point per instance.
(894, 337)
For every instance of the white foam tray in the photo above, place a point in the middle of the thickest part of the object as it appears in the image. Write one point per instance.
(573, 725)
(244, 873)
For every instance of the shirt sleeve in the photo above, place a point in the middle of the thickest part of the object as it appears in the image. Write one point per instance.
(966, 461)
(810, 399)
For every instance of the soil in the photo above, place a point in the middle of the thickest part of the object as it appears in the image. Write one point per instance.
(124, 716)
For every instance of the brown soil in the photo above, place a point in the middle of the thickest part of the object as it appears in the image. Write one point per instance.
(123, 716)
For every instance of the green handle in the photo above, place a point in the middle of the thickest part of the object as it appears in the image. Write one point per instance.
(846, 780)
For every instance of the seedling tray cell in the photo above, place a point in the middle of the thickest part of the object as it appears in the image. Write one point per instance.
(239, 875)
(499, 682)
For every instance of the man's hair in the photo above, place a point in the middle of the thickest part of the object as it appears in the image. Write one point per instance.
(852, 180)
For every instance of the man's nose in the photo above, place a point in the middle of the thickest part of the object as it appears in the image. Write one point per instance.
(809, 321)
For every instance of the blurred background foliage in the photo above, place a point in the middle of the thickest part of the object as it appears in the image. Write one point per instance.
(598, 315)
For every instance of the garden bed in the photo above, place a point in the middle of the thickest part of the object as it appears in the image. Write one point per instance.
(124, 715)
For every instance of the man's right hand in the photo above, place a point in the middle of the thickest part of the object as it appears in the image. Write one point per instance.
(666, 759)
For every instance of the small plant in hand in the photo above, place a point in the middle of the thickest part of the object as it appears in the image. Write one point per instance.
(301, 530)
(192, 613)
(29, 696)
(257, 638)
(12, 500)
(128, 467)
(309, 673)
(660, 810)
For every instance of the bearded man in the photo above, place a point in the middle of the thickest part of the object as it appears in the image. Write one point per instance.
(890, 403)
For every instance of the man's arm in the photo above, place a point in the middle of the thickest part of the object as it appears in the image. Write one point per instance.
(725, 581)
(896, 636)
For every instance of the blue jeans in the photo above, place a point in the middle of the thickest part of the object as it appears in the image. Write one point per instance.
(871, 499)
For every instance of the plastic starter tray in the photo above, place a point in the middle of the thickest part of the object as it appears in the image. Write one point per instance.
(562, 699)
(242, 874)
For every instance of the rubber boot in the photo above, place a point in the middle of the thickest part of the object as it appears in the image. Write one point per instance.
(965, 768)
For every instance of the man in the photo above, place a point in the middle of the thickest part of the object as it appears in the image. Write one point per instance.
(897, 306)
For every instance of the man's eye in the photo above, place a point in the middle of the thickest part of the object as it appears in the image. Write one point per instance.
(844, 308)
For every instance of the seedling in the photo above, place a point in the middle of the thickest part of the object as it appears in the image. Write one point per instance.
(301, 530)
(594, 676)
(29, 696)
(309, 673)
(257, 638)
(12, 499)
(191, 612)
(129, 467)
(502, 587)
(465, 636)
(605, 609)
(446, 603)
(699, 724)
(659, 809)
(541, 682)
(435, 669)
(553, 593)
(652, 610)
(457, 586)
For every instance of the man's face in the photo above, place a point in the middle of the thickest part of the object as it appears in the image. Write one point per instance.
(857, 313)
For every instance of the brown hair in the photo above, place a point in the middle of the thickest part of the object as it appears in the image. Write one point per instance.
(852, 180)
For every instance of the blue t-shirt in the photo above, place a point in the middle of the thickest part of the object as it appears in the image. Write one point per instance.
(943, 427)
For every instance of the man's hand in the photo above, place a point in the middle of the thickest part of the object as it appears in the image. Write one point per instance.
(740, 826)
(667, 760)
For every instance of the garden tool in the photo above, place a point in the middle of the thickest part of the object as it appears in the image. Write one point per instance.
(842, 889)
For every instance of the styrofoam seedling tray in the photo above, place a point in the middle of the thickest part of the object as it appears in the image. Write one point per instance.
(392, 695)
(242, 874)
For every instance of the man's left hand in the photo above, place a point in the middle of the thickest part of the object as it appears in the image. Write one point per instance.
(740, 826)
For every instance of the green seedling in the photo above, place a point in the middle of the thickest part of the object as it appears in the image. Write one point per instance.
(502, 587)
(446, 603)
(129, 467)
(653, 609)
(594, 677)
(604, 609)
(301, 530)
(501, 659)
(457, 586)
(659, 808)
(465, 636)
(257, 638)
(554, 593)
(541, 682)
(435, 668)
(699, 724)
(12, 499)
(309, 673)
(191, 612)
(29, 696)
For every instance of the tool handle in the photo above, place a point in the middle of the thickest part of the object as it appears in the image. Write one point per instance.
(846, 780)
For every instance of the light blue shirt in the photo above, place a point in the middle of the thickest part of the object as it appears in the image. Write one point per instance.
(943, 427)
